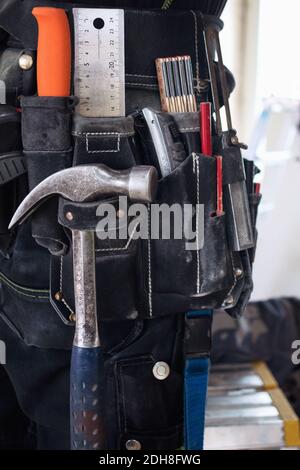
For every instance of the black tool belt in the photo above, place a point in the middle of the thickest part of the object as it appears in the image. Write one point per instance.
(152, 277)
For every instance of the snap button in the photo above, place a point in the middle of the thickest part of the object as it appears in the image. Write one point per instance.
(132, 444)
(25, 61)
(161, 370)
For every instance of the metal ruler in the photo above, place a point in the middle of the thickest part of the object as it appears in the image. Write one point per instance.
(99, 72)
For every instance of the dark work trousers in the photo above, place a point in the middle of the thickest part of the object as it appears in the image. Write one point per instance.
(38, 348)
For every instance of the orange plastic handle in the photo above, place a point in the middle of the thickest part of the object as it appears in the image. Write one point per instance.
(54, 52)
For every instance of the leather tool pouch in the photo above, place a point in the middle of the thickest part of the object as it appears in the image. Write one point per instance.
(137, 279)
(46, 135)
(156, 276)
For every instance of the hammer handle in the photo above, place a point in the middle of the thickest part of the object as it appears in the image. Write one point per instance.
(86, 407)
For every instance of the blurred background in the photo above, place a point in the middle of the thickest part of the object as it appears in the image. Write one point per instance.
(259, 42)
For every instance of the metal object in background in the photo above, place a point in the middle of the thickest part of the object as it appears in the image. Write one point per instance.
(247, 410)
(237, 210)
(99, 70)
(86, 183)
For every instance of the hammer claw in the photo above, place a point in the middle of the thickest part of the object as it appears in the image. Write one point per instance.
(87, 183)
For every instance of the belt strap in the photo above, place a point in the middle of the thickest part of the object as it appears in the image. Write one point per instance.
(197, 363)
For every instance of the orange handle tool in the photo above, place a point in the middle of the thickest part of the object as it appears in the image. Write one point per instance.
(54, 52)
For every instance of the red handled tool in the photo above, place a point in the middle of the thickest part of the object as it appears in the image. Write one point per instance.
(54, 52)
(206, 142)
(205, 128)
(220, 209)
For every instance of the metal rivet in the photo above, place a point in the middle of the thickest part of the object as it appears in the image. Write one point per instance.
(25, 62)
(121, 214)
(58, 296)
(133, 315)
(239, 273)
(69, 216)
(229, 301)
(72, 317)
(161, 370)
(132, 444)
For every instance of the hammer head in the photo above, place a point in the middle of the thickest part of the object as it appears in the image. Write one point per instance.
(89, 182)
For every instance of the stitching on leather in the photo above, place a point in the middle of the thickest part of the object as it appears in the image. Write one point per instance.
(116, 134)
(123, 248)
(138, 75)
(53, 152)
(121, 134)
(142, 85)
(61, 273)
(189, 129)
(67, 306)
(196, 170)
(149, 266)
(19, 289)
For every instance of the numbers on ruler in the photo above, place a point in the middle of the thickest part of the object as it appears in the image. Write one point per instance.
(99, 77)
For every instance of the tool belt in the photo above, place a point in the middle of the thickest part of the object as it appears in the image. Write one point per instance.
(137, 279)
(154, 277)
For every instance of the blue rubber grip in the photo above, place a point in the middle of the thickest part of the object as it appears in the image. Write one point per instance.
(86, 399)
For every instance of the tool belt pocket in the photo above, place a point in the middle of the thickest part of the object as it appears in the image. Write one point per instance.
(134, 378)
(110, 141)
(46, 135)
(118, 277)
(194, 271)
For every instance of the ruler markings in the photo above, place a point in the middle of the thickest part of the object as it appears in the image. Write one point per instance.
(99, 84)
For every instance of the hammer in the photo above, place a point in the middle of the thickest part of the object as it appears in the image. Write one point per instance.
(85, 184)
